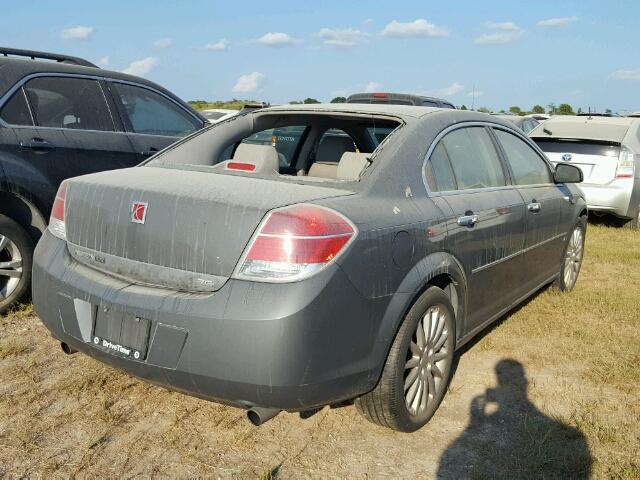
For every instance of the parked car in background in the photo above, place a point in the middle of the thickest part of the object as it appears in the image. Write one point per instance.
(399, 99)
(634, 115)
(352, 272)
(607, 150)
(215, 115)
(526, 124)
(61, 117)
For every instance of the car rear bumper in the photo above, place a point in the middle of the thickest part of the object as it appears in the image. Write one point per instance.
(612, 198)
(287, 346)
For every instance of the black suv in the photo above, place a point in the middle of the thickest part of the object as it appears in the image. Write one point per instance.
(399, 99)
(61, 117)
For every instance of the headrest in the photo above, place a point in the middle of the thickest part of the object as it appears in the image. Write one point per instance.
(332, 147)
(264, 157)
(351, 165)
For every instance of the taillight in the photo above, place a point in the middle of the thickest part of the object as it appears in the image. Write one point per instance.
(293, 243)
(56, 223)
(625, 164)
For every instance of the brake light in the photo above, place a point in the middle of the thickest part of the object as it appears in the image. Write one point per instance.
(57, 224)
(380, 95)
(293, 243)
(625, 167)
(247, 167)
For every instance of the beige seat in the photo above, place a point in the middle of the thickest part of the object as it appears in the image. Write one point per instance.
(351, 165)
(329, 153)
(264, 157)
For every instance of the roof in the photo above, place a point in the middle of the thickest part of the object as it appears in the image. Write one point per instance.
(515, 119)
(366, 108)
(606, 129)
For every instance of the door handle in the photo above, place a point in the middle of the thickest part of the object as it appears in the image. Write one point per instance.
(151, 151)
(37, 144)
(468, 220)
(534, 207)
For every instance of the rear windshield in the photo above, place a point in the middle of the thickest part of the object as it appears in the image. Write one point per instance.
(609, 149)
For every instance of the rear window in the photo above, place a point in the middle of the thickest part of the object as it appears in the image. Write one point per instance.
(378, 134)
(286, 141)
(579, 146)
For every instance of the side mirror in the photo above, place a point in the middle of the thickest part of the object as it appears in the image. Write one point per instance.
(566, 173)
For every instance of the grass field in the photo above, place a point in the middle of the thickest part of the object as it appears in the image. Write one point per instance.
(551, 391)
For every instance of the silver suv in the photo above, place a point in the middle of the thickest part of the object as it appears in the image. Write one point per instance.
(607, 150)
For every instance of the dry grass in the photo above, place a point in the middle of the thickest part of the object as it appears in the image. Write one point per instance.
(67, 416)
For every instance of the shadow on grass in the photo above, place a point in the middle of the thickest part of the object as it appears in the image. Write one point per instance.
(508, 437)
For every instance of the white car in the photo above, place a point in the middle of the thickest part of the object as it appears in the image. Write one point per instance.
(607, 150)
(215, 115)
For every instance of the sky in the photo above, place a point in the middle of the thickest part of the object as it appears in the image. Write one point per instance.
(490, 53)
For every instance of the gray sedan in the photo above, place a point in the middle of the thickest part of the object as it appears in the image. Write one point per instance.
(351, 271)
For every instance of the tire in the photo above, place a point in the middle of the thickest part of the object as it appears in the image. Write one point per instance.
(392, 405)
(16, 259)
(572, 257)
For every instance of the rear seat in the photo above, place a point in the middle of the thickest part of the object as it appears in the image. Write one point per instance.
(329, 154)
(350, 167)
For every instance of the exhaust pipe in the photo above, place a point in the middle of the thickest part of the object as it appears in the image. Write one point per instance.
(259, 415)
(67, 349)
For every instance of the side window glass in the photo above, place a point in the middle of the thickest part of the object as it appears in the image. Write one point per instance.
(16, 111)
(285, 140)
(474, 159)
(438, 171)
(152, 114)
(73, 103)
(527, 166)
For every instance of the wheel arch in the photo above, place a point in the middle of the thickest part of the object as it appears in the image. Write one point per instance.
(23, 212)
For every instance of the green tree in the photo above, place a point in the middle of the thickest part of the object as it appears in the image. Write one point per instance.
(310, 100)
(339, 100)
(552, 108)
(295, 102)
(565, 109)
(484, 110)
(537, 109)
(464, 107)
(515, 109)
(608, 111)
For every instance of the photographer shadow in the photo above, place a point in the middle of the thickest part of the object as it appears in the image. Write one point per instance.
(508, 437)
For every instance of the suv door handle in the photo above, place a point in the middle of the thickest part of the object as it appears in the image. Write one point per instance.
(38, 144)
(534, 207)
(468, 220)
(151, 151)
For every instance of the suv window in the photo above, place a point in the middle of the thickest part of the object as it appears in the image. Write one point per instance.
(473, 158)
(64, 102)
(285, 139)
(16, 110)
(152, 114)
(438, 171)
(527, 166)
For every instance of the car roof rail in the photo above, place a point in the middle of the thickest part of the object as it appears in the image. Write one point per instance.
(34, 55)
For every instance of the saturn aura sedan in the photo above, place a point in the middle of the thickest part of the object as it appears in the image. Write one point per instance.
(295, 257)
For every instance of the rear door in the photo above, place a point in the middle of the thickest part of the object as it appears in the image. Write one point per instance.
(547, 213)
(486, 233)
(71, 131)
(153, 120)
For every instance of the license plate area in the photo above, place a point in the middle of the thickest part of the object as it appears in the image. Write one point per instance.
(121, 334)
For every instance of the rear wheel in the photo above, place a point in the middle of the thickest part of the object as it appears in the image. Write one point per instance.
(16, 255)
(572, 259)
(418, 367)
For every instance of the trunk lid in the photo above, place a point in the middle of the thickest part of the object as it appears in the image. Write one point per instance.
(597, 160)
(196, 224)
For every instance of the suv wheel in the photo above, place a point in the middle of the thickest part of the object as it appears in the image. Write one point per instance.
(418, 368)
(572, 258)
(16, 255)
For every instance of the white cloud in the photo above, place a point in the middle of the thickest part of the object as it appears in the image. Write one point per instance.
(557, 22)
(277, 39)
(452, 89)
(372, 87)
(342, 37)
(476, 93)
(622, 74)
(218, 46)
(104, 61)
(78, 33)
(249, 82)
(417, 28)
(504, 32)
(162, 43)
(368, 21)
(141, 67)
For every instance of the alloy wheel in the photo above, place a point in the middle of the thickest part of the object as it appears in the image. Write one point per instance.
(573, 257)
(427, 361)
(10, 267)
